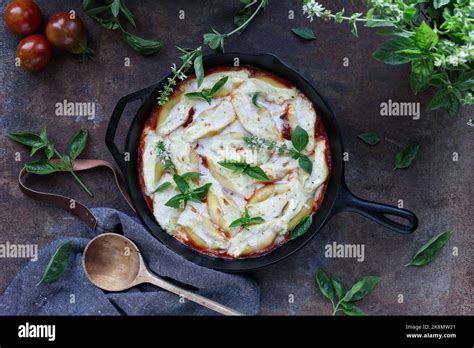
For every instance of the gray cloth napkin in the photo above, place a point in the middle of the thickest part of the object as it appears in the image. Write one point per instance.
(73, 294)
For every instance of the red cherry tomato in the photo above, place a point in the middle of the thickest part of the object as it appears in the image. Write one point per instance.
(34, 52)
(68, 33)
(22, 16)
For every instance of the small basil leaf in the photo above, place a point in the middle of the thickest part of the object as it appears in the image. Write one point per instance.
(440, 3)
(360, 289)
(325, 285)
(304, 33)
(352, 310)
(162, 187)
(142, 46)
(428, 251)
(301, 227)
(36, 147)
(369, 284)
(199, 69)
(236, 167)
(214, 40)
(202, 191)
(256, 173)
(115, 8)
(305, 163)
(178, 201)
(191, 175)
(49, 151)
(218, 85)
(425, 37)
(57, 265)
(255, 99)
(299, 138)
(183, 186)
(338, 286)
(241, 17)
(238, 222)
(28, 139)
(405, 158)
(78, 143)
(43, 167)
(370, 138)
(387, 53)
(256, 220)
(127, 13)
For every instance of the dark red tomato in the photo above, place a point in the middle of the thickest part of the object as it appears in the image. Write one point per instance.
(34, 52)
(22, 16)
(67, 32)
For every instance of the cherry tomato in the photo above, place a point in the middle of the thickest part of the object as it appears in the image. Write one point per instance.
(68, 33)
(34, 52)
(22, 16)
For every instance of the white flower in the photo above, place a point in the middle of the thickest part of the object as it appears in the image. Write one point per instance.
(453, 60)
(471, 122)
(312, 9)
(439, 61)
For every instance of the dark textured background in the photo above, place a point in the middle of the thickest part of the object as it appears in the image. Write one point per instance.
(438, 189)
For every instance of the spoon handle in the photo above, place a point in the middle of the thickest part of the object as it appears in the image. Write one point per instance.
(203, 301)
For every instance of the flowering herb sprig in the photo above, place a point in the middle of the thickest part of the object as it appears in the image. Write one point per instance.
(435, 37)
(164, 157)
(215, 41)
(299, 140)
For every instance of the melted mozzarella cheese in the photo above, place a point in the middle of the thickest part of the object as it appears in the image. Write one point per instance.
(150, 163)
(182, 153)
(210, 122)
(270, 92)
(175, 117)
(279, 166)
(235, 79)
(167, 217)
(320, 168)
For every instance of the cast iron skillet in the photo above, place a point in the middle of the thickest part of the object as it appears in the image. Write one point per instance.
(338, 198)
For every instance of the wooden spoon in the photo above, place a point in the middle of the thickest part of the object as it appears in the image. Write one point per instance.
(113, 262)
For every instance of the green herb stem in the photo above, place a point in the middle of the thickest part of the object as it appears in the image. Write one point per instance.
(243, 25)
(84, 187)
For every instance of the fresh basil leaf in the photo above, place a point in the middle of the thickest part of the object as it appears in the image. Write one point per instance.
(201, 192)
(142, 46)
(256, 220)
(256, 173)
(430, 249)
(425, 37)
(409, 13)
(465, 81)
(199, 69)
(360, 289)
(162, 187)
(191, 175)
(182, 184)
(87, 4)
(36, 147)
(405, 158)
(387, 52)
(302, 227)
(178, 201)
(370, 138)
(421, 74)
(92, 12)
(218, 85)
(352, 310)
(43, 135)
(255, 99)
(238, 222)
(440, 3)
(305, 163)
(115, 7)
(57, 264)
(299, 138)
(78, 143)
(369, 284)
(304, 33)
(43, 167)
(28, 139)
(241, 17)
(246, 213)
(214, 40)
(195, 95)
(325, 285)
(127, 13)
(49, 151)
(448, 99)
(236, 167)
(338, 286)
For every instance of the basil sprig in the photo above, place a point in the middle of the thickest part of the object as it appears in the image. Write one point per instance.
(247, 220)
(301, 227)
(196, 195)
(57, 264)
(245, 168)
(109, 13)
(405, 158)
(207, 93)
(333, 289)
(50, 165)
(428, 251)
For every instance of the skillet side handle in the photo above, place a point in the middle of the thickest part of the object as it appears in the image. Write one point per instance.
(115, 120)
(377, 212)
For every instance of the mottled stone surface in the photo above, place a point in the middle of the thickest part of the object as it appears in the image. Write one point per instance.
(437, 188)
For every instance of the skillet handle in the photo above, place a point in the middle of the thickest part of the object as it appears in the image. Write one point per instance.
(377, 212)
(114, 122)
